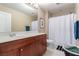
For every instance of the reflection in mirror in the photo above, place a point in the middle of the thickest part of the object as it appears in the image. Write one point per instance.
(18, 17)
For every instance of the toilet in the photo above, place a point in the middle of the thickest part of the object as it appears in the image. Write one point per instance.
(51, 44)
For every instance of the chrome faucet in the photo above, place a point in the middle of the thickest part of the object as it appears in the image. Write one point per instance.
(12, 34)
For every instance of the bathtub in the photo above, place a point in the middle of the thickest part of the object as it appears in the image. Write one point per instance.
(71, 51)
(10, 36)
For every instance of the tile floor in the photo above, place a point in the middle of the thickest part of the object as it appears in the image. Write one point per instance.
(53, 52)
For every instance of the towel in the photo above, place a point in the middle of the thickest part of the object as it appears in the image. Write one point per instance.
(76, 30)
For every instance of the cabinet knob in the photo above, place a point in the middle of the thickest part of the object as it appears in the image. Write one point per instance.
(21, 49)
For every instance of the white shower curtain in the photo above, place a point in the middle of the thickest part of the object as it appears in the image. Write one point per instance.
(61, 30)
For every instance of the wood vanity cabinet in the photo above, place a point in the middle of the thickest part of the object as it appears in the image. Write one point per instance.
(32, 46)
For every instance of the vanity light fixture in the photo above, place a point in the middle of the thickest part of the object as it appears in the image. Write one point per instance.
(33, 5)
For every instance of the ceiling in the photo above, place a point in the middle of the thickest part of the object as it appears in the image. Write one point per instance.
(51, 7)
(57, 7)
(21, 7)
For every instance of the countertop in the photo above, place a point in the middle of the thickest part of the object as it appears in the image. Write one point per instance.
(6, 37)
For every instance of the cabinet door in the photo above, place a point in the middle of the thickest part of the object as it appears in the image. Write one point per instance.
(14, 52)
(42, 39)
(26, 51)
(39, 49)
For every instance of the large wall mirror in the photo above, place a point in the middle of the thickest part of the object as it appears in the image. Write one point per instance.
(18, 17)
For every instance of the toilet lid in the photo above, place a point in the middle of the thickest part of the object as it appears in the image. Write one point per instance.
(50, 41)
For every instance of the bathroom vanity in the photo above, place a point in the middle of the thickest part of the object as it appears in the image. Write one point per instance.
(31, 45)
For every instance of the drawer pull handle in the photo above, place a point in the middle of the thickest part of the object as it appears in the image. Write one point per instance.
(21, 49)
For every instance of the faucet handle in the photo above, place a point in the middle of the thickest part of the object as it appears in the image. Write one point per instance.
(12, 34)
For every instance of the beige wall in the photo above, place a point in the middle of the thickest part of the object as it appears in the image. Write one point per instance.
(44, 15)
(18, 19)
(46, 21)
(41, 14)
(77, 10)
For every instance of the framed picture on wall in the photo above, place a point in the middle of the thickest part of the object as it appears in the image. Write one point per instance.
(41, 22)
